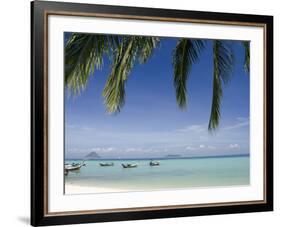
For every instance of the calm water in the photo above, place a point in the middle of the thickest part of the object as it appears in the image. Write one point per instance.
(171, 174)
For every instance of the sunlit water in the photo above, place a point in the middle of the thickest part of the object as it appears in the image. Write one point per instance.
(171, 174)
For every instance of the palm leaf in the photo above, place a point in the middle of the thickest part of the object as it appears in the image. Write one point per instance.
(84, 53)
(246, 45)
(223, 61)
(185, 55)
(146, 46)
(129, 49)
(114, 90)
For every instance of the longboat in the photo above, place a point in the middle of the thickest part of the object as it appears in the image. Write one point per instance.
(106, 164)
(154, 163)
(73, 166)
(129, 165)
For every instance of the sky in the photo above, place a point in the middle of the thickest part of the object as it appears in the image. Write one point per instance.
(150, 124)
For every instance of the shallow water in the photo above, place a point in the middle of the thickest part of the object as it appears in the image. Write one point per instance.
(171, 174)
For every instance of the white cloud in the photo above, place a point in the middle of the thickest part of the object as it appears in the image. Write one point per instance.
(193, 129)
(188, 148)
(95, 149)
(132, 149)
(242, 119)
(76, 127)
(103, 149)
(201, 146)
(86, 128)
(129, 149)
(234, 146)
(211, 147)
(240, 122)
(145, 150)
(71, 126)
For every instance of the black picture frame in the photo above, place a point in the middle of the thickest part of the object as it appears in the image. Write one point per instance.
(39, 111)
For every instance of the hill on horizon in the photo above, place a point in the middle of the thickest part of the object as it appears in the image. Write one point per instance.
(92, 155)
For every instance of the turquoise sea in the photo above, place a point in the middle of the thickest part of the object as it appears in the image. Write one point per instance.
(170, 174)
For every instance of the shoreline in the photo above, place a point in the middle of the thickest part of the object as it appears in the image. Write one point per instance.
(71, 188)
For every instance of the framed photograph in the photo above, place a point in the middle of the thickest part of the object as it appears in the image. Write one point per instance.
(141, 113)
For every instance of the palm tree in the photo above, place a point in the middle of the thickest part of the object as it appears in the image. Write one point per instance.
(85, 52)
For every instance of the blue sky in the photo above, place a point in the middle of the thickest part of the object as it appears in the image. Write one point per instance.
(151, 124)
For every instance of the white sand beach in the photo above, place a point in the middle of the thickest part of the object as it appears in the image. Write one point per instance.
(71, 188)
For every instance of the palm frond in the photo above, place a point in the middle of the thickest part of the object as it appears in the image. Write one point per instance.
(185, 55)
(246, 45)
(83, 53)
(146, 46)
(130, 48)
(114, 90)
(223, 61)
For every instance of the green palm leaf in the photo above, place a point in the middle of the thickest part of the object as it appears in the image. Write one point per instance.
(146, 46)
(185, 55)
(114, 90)
(84, 53)
(223, 61)
(129, 49)
(246, 45)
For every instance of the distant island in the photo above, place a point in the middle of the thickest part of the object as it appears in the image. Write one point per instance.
(173, 156)
(92, 155)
